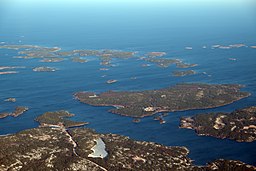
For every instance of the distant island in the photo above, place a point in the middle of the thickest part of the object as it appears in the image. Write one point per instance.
(4, 70)
(55, 54)
(54, 147)
(156, 54)
(11, 99)
(239, 125)
(239, 45)
(8, 72)
(176, 98)
(183, 73)
(185, 65)
(162, 62)
(10, 67)
(44, 69)
(79, 60)
(52, 60)
(111, 81)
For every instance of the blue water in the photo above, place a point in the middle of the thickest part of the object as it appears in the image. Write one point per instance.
(142, 28)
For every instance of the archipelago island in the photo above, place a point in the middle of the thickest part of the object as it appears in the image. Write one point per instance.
(19, 110)
(177, 98)
(105, 56)
(183, 73)
(62, 144)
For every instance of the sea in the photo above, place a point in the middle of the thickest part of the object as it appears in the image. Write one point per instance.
(143, 26)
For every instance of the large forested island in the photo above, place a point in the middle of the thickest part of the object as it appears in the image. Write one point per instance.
(176, 98)
(55, 147)
(239, 125)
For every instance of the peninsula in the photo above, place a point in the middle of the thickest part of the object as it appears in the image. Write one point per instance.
(239, 125)
(177, 98)
(58, 119)
(58, 148)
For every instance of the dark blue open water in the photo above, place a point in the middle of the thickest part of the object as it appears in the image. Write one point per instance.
(144, 28)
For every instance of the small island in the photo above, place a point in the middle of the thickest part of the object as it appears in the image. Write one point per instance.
(239, 125)
(79, 60)
(44, 69)
(136, 120)
(232, 59)
(11, 99)
(160, 118)
(183, 73)
(145, 65)
(52, 60)
(177, 98)
(10, 67)
(162, 62)
(239, 45)
(8, 72)
(17, 112)
(111, 81)
(188, 48)
(185, 65)
(156, 54)
(18, 47)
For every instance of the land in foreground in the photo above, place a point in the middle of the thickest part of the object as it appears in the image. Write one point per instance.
(54, 147)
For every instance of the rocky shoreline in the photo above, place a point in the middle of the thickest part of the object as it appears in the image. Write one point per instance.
(59, 148)
(17, 112)
(239, 125)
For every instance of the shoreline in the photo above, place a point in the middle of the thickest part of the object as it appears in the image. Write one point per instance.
(159, 111)
(238, 125)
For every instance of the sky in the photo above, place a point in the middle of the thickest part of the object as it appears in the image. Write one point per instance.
(131, 2)
(128, 13)
(139, 5)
